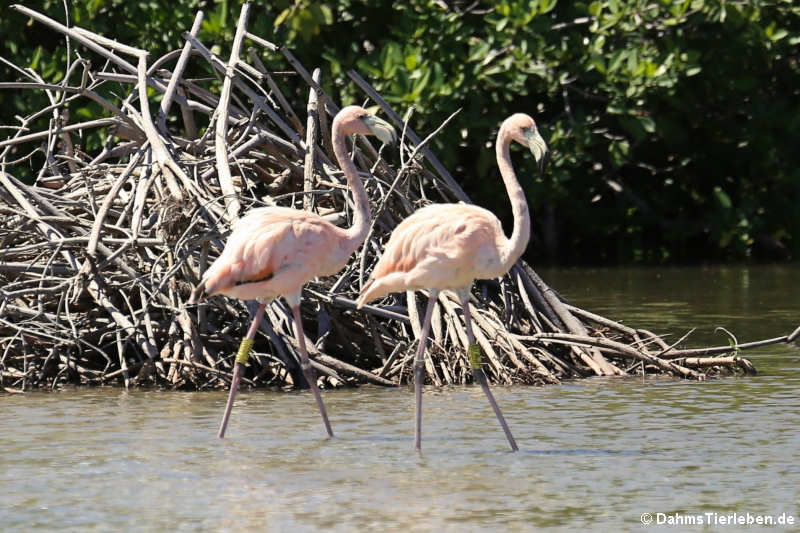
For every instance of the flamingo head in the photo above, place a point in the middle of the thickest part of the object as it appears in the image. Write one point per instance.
(522, 129)
(356, 119)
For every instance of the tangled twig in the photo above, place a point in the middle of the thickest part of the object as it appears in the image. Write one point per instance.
(98, 256)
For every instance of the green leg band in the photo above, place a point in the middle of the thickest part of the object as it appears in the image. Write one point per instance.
(475, 356)
(244, 351)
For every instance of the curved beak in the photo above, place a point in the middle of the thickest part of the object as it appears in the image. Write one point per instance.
(538, 148)
(380, 129)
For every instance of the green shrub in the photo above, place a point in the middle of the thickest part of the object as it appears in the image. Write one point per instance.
(672, 123)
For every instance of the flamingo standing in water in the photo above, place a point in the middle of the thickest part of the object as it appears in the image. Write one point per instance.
(448, 246)
(273, 251)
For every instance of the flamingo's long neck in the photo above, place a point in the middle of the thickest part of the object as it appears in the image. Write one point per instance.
(356, 234)
(516, 245)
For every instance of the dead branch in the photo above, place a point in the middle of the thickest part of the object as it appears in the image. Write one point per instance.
(100, 252)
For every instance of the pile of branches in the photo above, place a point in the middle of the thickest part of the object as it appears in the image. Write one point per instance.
(99, 255)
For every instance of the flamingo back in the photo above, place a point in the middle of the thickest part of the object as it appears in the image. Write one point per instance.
(273, 251)
(443, 246)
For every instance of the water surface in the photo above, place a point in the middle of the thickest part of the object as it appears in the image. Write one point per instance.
(595, 454)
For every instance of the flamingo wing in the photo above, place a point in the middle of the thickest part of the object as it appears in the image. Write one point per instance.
(272, 251)
(443, 246)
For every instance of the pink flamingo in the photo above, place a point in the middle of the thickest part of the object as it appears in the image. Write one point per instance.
(273, 251)
(448, 246)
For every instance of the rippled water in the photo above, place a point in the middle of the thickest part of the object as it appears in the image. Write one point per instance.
(595, 455)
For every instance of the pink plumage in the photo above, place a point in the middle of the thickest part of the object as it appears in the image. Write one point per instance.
(447, 246)
(273, 251)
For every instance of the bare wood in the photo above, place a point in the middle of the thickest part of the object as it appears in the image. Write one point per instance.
(655, 338)
(184, 362)
(311, 143)
(94, 236)
(177, 74)
(390, 361)
(353, 371)
(598, 362)
(99, 123)
(80, 35)
(257, 100)
(144, 250)
(262, 42)
(603, 321)
(328, 102)
(351, 304)
(440, 168)
(696, 352)
(88, 43)
(413, 314)
(287, 108)
(82, 91)
(122, 362)
(513, 343)
(733, 361)
(232, 205)
(624, 349)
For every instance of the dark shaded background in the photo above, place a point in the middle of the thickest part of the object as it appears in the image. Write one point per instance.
(672, 124)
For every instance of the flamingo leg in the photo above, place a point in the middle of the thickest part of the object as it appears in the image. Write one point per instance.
(308, 371)
(419, 369)
(480, 376)
(241, 360)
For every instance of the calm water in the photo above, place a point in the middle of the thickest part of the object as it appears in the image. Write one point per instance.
(595, 455)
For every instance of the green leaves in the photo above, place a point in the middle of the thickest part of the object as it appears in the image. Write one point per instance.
(773, 33)
(305, 19)
(618, 150)
(722, 197)
(689, 104)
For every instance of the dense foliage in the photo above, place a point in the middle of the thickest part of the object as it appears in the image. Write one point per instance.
(672, 122)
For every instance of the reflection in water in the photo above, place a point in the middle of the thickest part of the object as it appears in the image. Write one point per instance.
(595, 454)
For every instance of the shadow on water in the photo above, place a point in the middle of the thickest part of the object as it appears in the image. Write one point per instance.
(595, 454)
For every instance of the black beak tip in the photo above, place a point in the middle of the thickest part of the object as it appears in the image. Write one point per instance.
(543, 162)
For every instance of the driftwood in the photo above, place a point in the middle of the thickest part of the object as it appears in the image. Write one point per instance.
(99, 255)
